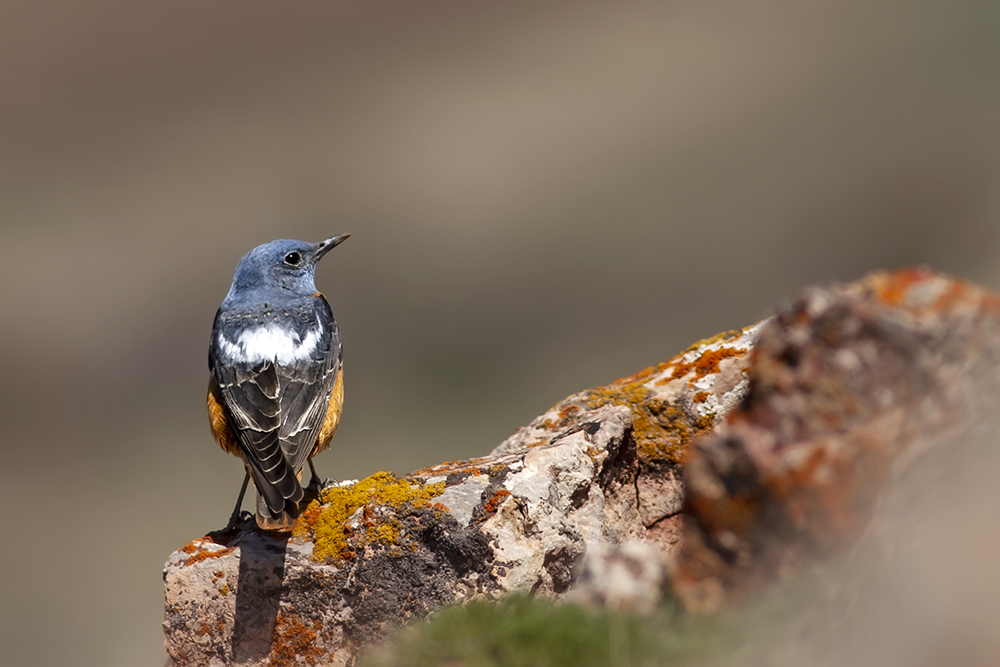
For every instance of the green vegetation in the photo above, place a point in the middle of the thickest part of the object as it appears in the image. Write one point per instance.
(811, 619)
(524, 632)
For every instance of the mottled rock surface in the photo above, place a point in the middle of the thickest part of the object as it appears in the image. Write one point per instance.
(671, 404)
(851, 386)
(630, 576)
(713, 474)
(600, 468)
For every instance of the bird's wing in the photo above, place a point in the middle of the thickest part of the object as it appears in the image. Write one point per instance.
(306, 388)
(251, 392)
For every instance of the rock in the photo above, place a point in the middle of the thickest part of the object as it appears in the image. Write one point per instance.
(850, 386)
(671, 404)
(371, 556)
(600, 468)
(630, 576)
(728, 467)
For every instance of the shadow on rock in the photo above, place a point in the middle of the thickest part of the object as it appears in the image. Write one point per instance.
(258, 588)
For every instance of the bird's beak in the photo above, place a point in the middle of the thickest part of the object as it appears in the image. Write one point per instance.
(323, 247)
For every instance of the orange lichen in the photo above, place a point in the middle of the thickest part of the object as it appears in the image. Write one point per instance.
(567, 412)
(206, 555)
(836, 500)
(661, 429)
(644, 374)
(491, 505)
(324, 520)
(197, 553)
(704, 364)
(956, 293)
(471, 466)
(293, 639)
(892, 288)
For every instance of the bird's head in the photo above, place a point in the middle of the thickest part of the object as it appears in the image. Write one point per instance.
(282, 266)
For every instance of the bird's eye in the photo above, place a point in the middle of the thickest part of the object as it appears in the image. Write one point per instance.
(293, 259)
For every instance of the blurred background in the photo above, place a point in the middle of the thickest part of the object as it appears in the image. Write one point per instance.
(543, 197)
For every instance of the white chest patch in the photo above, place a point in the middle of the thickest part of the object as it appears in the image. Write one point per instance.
(269, 343)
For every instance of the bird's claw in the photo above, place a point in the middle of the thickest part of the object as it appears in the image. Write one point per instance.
(237, 518)
(318, 485)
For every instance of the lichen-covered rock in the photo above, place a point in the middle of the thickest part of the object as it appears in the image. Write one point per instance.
(600, 468)
(849, 384)
(671, 404)
(787, 433)
(369, 556)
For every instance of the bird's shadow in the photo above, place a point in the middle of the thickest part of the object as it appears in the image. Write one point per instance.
(260, 583)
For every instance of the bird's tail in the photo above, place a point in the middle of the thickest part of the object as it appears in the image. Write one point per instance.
(282, 520)
(277, 509)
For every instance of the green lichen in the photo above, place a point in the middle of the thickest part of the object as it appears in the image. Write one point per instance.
(324, 519)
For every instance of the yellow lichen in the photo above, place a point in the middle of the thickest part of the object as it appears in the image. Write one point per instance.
(382, 532)
(324, 519)
(661, 430)
(717, 338)
(704, 422)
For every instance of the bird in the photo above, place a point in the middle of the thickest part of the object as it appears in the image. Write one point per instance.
(276, 382)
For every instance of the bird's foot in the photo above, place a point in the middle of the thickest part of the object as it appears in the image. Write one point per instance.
(236, 519)
(235, 522)
(317, 486)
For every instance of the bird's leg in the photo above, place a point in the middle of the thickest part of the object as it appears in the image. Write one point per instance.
(235, 518)
(315, 481)
(313, 478)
